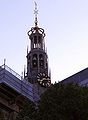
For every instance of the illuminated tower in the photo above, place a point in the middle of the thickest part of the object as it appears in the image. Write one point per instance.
(37, 59)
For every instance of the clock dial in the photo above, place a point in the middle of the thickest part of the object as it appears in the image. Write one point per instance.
(43, 80)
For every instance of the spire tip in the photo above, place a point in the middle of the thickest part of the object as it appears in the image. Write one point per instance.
(36, 13)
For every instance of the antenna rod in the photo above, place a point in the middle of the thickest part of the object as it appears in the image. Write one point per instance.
(36, 13)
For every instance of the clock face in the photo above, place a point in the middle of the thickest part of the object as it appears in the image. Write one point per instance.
(43, 80)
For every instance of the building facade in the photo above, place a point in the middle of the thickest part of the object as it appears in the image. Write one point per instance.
(80, 78)
(14, 90)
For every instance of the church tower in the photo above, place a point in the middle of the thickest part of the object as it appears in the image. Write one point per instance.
(37, 59)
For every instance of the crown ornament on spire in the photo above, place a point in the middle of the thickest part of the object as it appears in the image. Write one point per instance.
(36, 29)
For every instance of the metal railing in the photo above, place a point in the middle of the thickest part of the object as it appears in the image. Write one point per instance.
(12, 72)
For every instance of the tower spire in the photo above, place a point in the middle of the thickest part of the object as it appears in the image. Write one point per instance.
(36, 13)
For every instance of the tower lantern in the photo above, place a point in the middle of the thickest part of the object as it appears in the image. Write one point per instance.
(36, 35)
(37, 59)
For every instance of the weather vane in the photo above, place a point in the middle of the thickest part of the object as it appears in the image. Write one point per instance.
(36, 13)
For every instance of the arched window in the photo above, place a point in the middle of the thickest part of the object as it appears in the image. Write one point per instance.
(39, 42)
(41, 60)
(35, 41)
(34, 60)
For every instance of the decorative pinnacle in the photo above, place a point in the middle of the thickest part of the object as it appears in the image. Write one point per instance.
(36, 13)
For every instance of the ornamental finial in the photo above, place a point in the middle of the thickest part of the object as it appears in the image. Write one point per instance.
(36, 13)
